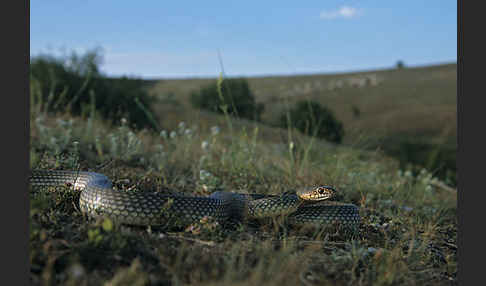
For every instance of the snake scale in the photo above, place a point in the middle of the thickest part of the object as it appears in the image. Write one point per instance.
(99, 199)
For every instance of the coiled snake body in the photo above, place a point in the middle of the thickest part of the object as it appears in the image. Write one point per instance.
(98, 198)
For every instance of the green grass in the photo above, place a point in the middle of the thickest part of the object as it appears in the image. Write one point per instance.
(410, 108)
(408, 235)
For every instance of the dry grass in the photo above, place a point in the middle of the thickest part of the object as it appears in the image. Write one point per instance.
(424, 98)
(407, 236)
(408, 107)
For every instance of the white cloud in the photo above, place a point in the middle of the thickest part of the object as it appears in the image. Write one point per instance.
(345, 12)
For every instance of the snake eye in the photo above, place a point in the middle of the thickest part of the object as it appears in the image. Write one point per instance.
(325, 190)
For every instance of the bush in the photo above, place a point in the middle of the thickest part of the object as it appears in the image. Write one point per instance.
(313, 119)
(71, 84)
(400, 64)
(236, 98)
(356, 111)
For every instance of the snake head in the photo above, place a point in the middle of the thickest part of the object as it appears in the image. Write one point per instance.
(318, 193)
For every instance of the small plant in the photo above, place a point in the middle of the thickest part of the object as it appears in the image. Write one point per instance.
(124, 143)
(232, 96)
(313, 119)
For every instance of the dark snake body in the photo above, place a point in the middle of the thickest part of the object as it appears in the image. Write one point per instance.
(99, 199)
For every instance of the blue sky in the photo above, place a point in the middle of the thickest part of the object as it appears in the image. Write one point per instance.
(173, 39)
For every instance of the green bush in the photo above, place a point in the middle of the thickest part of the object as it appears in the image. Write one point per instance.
(400, 64)
(313, 119)
(73, 83)
(356, 111)
(236, 99)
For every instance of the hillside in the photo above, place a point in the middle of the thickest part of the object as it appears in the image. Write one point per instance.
(407, 233)
(409, 113)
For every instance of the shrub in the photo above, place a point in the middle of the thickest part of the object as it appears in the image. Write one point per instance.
(313, 119)
(356, 111)
(236, 97)
(400, 64)
(72, 83)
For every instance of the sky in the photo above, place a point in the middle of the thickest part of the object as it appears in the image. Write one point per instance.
(181, 39)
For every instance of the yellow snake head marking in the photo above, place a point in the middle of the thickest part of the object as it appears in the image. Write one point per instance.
(316, 194)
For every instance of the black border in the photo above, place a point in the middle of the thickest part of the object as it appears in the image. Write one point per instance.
(14, 211)
(461, 276)
(471, 146)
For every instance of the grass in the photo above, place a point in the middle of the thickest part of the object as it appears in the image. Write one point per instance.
(392, 110)
(408, 235)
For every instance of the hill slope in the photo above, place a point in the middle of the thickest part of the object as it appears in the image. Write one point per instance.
(410, 113)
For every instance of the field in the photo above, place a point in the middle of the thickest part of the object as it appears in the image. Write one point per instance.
(408, 232)
(408, 113)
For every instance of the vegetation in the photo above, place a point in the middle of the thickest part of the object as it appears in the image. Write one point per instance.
(232, 96)
(313, 119)
(356, 111)
(75, 83)
(400, 64)
(408, 233)
(410, 106)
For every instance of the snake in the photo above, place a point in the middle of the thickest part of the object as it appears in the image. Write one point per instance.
(98, 198)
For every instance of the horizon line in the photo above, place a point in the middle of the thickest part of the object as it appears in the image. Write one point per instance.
(351, 71)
